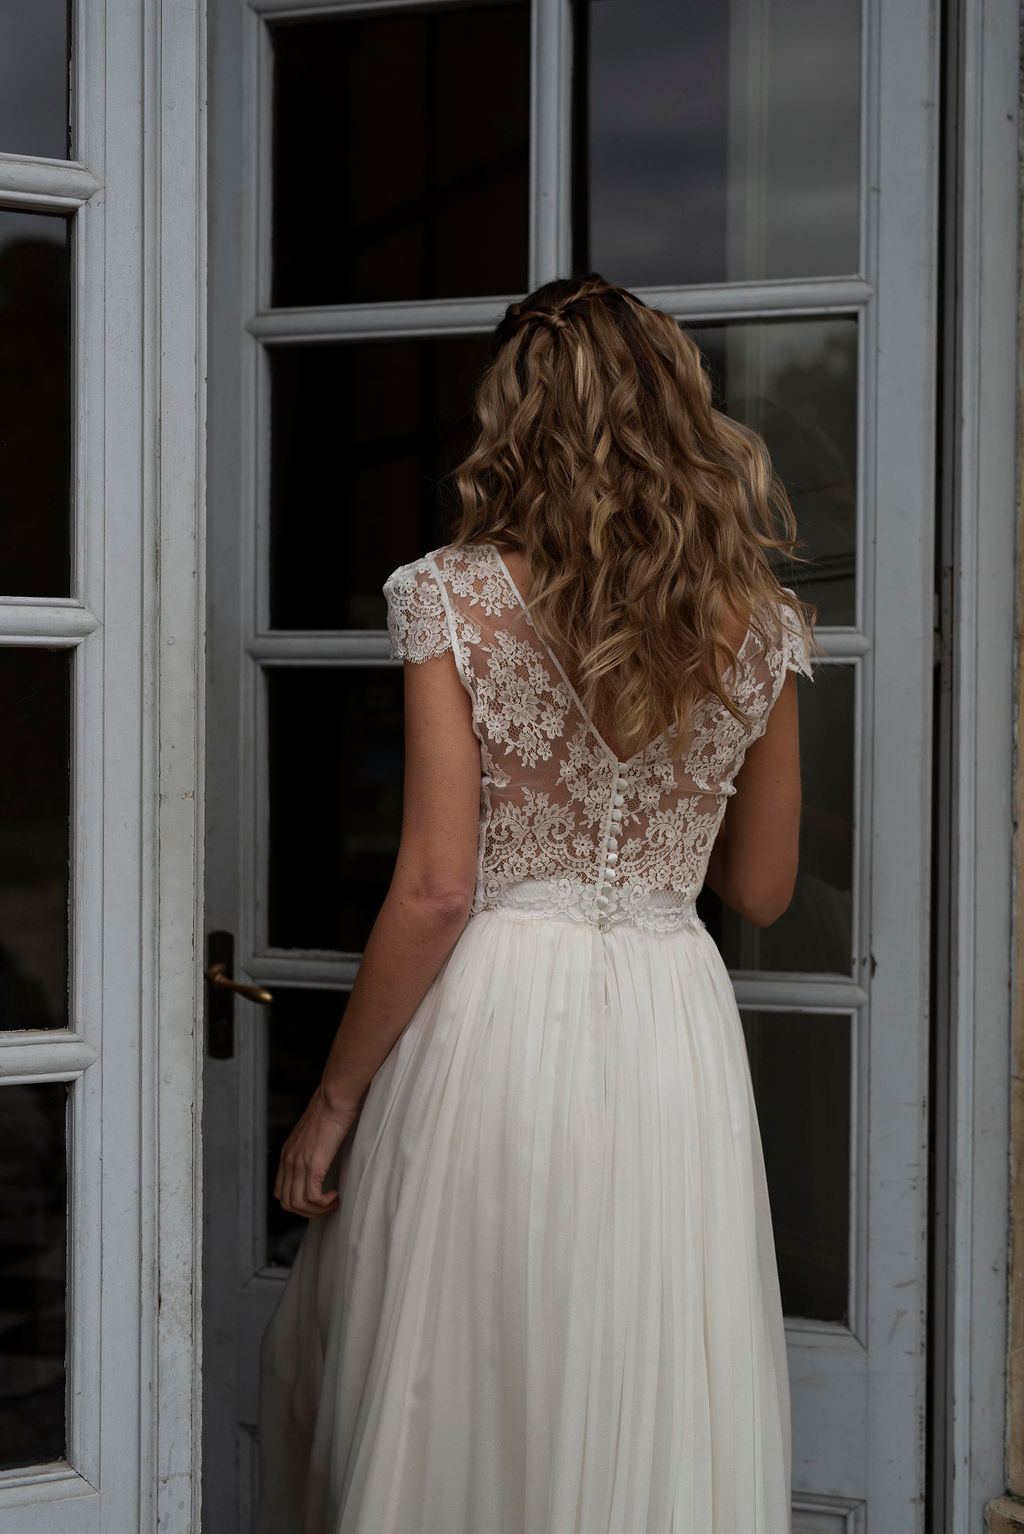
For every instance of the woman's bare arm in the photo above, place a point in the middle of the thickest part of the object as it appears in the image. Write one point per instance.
(423, 913)
(753, 863)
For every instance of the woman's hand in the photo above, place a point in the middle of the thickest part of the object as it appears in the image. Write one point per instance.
(307, 1156)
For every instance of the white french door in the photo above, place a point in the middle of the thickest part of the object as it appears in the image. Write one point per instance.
(765, 171)
(100, 499)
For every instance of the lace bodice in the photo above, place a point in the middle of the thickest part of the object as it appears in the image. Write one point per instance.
(566, 828)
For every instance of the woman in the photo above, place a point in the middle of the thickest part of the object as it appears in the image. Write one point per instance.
(538, 1292)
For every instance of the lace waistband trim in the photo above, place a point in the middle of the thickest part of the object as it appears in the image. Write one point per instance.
(569, 900)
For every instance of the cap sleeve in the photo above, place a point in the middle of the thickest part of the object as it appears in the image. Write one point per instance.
(417, 623)
(795, 655)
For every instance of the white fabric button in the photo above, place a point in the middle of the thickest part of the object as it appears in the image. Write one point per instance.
(602, 901)
(618, 799)
(616, 815)
(612, 844)
(612, 858)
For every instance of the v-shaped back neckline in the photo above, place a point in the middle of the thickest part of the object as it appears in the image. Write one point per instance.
(619, 761)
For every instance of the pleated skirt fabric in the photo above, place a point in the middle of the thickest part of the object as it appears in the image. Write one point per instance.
(548, 1302)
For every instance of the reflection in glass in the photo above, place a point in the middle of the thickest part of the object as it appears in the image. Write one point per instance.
(795, 382)
(815, 935)
(417, 125)
(35, 43)
(33, 1235)
(800, 1067)
(301, 1026)
(362, 436)
(35, 439)
(336, 764)
(34, 837)
(716, 143)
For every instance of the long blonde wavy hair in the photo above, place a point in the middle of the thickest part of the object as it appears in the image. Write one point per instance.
(645, 517)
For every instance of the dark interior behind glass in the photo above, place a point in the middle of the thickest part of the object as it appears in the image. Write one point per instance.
(35, 706)
(401, 155)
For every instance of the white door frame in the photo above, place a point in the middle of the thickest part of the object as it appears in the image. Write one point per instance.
(863, 1423)
(978, 551)
(135, 625)
(972, 1091)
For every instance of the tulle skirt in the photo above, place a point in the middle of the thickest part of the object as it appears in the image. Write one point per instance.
(548, 1302)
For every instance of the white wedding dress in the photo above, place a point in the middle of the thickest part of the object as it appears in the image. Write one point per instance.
(548, 1302)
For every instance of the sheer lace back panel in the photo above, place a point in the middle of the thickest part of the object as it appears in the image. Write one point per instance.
(566, 828)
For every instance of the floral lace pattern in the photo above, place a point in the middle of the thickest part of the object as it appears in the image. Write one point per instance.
(567, 830)
(517, 702)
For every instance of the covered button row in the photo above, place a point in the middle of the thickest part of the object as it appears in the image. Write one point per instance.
(611, 856)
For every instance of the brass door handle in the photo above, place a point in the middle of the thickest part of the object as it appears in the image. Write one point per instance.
(217, 974)
(220, 997)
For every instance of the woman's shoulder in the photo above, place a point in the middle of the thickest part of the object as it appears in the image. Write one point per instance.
(451, 584)
(779, 636)
(466, 578)
(448, 557)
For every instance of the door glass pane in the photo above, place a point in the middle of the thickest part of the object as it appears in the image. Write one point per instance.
(405, 138)
(301, 1026)
(362, 435)
(336, 764)
(35, 436)
(795, 382)
(35, 707)
(800, 1068)
(716, 143)
(35, 43)
(815, 934)
(33, 1236)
